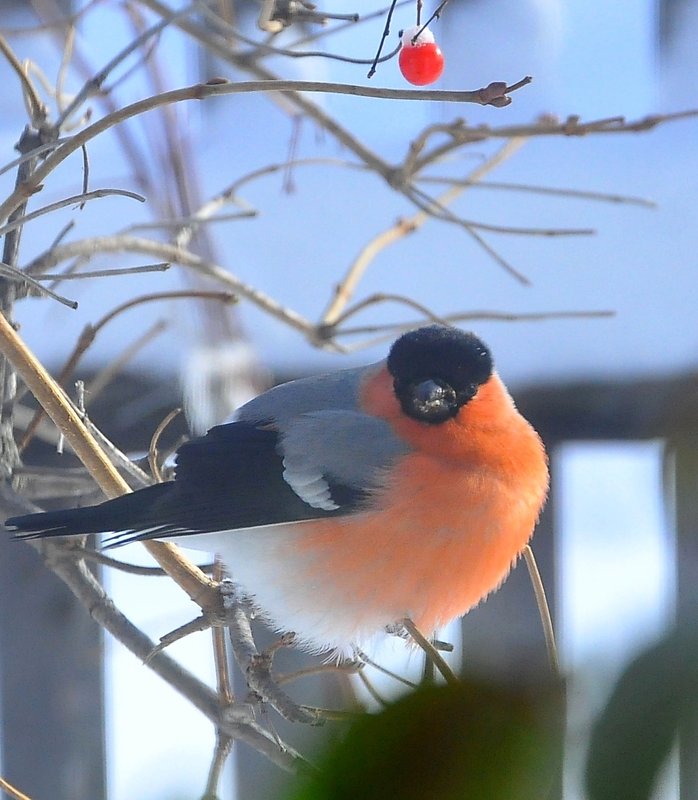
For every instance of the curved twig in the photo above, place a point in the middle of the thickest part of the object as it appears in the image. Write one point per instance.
(543, 609)
(219, 87)
(81, 198)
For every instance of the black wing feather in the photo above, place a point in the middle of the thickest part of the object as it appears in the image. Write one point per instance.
(231, 478)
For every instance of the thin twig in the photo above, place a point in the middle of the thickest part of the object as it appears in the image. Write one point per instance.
(201, 623)
(347, 286)
(12, 791)
(543, 609)
(440, 212)
(239, 726)
(182, 222)
(216, 88)
(393, 329)
(56, 404)
(228, 195)
(223, 682)
(66, 56)
(153, 447)
(260, 49)
(544, 190)
(89, 334)
(115, 244)
(378, 14)
(161, 266)
(386, 297)
(14, 274)
(255, 666)
(368, 660)
(29, 155)
(62, 233)
(224, 744)
(350, 667)
(37, 109)
(69, 201)
(94, 85)
(122, 566)
(435, 15)
(107, 374)
(189, 294)
(384, 37)
(138, 477)
(371, 689)
(430, 651)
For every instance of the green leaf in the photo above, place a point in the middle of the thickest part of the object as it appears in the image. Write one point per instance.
(475, 740)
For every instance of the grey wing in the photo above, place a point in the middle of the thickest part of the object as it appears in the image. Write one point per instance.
(334, 391)
(324, 450)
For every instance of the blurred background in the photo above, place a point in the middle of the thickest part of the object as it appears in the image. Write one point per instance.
(602, 357)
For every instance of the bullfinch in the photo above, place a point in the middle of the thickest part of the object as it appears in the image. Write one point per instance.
(345, 502)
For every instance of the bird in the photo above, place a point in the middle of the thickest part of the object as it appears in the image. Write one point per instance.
(344, 503)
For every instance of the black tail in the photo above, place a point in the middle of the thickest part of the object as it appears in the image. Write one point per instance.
(130, 512)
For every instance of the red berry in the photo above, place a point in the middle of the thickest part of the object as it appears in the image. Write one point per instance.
(421, 61)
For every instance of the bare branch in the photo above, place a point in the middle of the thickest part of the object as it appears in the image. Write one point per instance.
(153, 447)
(66, 418)
(89, 334)
(256, 666)
(325, 32)
(386, 297)
(107, 374)
(37, 109)
(190, 221)
(261, 49)
(94, 85)
(430, 651)
(436, 209)
(14, 274)
(393, 330)
(530, 188)
(161, 266)
(68, 201)
(234, 722)
(347, 286)
(543, 609)
(12, 791)
(31, 154)
(116, 244)
(218, 87)
(122, 566)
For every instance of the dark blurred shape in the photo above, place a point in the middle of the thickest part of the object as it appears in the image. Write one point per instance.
(654, 701)
(478, 740)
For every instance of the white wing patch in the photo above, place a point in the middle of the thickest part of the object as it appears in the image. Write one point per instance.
(313, 489)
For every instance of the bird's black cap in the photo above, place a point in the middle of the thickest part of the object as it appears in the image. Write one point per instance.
(436, 370)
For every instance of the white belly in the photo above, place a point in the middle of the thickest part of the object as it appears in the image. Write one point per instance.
(266, 563)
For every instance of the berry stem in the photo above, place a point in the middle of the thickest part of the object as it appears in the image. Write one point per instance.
(386, 33)
(435, 15)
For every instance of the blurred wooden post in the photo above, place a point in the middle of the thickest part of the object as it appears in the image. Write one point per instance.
(684, 450)
(51, 684)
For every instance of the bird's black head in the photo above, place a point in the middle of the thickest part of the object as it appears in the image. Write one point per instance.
(436, 370)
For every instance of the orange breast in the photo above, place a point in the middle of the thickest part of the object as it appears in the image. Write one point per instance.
(449, 522)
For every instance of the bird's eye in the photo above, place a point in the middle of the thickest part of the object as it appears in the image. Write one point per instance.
(432, 401)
